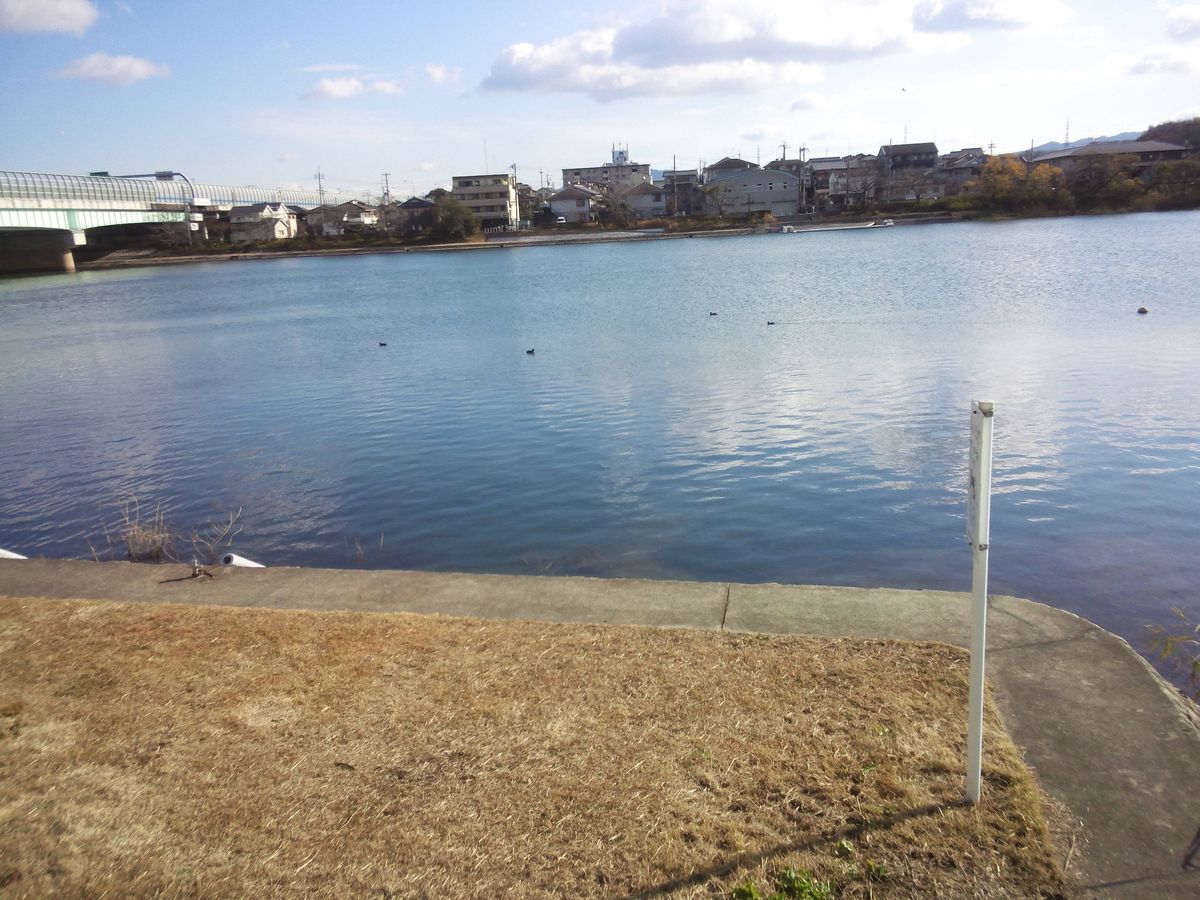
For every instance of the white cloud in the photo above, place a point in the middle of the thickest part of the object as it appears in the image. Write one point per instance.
(332, 67)
(585, 63)
(289, 156)
(114, 69)
(970, 15)
(1183, 20)
(708, 46)
(384, 86)
(338, 88)
(1163, 61)
(74, 16)
(442, 74)
(347, 87)
(427, 166)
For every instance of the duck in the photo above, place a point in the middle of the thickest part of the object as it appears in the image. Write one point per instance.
(529, 353)
(769, 322)
(383, 343)
(712, 313)
(1142, 310)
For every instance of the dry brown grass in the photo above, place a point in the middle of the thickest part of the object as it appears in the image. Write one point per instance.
(205, 751)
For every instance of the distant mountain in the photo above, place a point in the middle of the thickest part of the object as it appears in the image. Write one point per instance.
(1053, 146)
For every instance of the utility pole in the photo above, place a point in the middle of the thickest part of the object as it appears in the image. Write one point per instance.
(321, 197)
(783, 148)
(387, 200)
(674, 187)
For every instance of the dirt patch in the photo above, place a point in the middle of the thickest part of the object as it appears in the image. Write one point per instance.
(169, 750)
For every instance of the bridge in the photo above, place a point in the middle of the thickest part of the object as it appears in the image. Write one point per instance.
(43, 217)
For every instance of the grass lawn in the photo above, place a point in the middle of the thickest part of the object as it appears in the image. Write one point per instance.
(168, 750)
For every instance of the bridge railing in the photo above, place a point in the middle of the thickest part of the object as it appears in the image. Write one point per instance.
(91, 189)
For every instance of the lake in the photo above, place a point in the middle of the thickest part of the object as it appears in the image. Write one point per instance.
(645, 437)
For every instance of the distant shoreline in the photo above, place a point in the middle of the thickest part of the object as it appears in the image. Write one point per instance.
(120, 259)
(117, 259)
(128, 259)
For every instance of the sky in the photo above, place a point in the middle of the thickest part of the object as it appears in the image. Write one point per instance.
(266, 93)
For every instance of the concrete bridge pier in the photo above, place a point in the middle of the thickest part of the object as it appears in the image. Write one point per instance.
(39, 251)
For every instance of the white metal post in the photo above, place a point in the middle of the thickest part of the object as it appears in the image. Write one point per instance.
(978, 526)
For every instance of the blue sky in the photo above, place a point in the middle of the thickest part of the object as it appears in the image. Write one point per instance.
(263, 92)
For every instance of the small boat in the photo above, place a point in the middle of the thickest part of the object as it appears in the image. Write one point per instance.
(886, 223)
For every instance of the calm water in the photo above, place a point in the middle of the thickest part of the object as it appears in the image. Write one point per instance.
(645, 437)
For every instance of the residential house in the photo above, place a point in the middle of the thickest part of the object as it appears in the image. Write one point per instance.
(824, 172)
(646, 200)
(351, 217)
(1148, 153)
(615, 177)
(801, 170)
(575, 203)
(907, 171)
(682, 187)
(855, 183)
(958, 167)
(492, 198)
(739, 191)
(897, 159)
(412, 216)
(725, 165)
(796, 166)
(261, 222)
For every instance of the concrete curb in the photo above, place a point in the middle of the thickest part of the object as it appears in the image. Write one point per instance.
(1108, 738)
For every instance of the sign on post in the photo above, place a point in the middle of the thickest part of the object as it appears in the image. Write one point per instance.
(979, 507)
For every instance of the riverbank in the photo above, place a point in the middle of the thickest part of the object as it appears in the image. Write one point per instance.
(1107, 738)
(120, 259)
(123, 259)
(269, 752)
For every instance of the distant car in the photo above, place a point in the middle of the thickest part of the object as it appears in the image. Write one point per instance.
(561, 220)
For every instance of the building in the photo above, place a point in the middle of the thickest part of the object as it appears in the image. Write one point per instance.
(351, 217)
(740, 191)
(576, 203)
(727, 164)
(855, 183)
(413, 216)
(958, 167)
(646, 200)
(261, 222)
(823, 173)
(897, 159)
(492, 198)
(682, 187)
(796, 166)
(615, 177)
(1148, 153)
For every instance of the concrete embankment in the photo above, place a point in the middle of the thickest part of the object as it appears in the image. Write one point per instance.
(1107, 737)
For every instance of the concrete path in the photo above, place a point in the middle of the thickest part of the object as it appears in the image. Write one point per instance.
(1105, 735)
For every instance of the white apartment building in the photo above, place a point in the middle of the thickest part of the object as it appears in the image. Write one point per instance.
(615, 177)
(492, 198)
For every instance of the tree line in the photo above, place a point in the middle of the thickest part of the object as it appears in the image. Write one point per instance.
(1120, 181)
